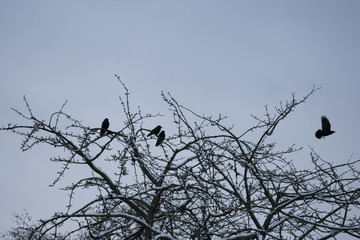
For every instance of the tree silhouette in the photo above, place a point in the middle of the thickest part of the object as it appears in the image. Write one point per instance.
(204, 182)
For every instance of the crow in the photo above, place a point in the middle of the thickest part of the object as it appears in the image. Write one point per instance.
(325, 131)
(155, 131)
(161, 138)
(104, 126)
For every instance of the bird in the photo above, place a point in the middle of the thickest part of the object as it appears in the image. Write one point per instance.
(104, 126)
(161, 138)
(325, 128)
(155, 131)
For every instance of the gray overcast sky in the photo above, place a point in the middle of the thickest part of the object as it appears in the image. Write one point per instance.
(229, 57)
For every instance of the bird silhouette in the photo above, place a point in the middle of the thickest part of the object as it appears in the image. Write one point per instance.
(325, 128)
(104, 126)
(155, 131)
(161, 138)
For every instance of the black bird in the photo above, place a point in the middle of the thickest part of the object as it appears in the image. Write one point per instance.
(325, 131)
(161, 138)
(104, 126)
(155, 131)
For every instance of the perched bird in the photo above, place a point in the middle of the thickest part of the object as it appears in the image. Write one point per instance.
(161, 138)
(104, 126)
(325, 131)
(155, 131)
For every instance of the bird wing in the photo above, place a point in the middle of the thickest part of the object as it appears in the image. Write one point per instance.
(325, 124)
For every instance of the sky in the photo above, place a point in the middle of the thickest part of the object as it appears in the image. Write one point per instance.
(228, 57)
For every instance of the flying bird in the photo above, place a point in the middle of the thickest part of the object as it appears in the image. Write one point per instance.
(104, 126)
(325, 128)
(161, 138)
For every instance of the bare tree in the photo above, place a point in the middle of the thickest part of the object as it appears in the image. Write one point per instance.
(203, 182)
